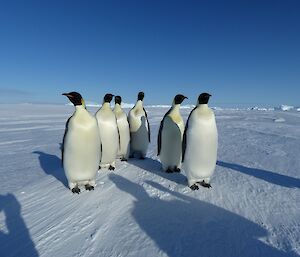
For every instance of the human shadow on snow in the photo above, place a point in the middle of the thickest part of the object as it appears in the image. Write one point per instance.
(154, 166)
(189, 227)
(16, 241)
(51, 165)
(269, 176)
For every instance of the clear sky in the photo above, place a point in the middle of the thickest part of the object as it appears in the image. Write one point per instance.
(239, 51)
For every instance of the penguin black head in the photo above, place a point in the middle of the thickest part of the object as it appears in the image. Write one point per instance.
(203, 98)
(118, 99)
(75, 98)
(178, 99)
(107, 98)
(141, 96)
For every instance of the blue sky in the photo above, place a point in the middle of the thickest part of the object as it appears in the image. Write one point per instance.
(242, 52)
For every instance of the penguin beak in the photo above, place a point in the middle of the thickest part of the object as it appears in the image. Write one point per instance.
(186, 97)
(67, 95)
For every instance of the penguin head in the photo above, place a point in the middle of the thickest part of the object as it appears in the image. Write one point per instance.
(118, 99)
(107, 98)
(178, 99)
(75, 98)
(141, 96)
(203, 98)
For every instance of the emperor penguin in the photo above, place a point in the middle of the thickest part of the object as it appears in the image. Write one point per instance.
(108, 132)
(123, 128)
(80, 150)
(169, 141)
(139, 129)
(200, 144)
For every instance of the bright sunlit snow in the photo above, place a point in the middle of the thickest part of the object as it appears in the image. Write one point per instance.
(251, 210)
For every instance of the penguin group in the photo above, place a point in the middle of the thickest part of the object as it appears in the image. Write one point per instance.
(93, 142)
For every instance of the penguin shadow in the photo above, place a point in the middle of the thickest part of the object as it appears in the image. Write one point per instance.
(15, 240)
(269, 176)
(52, 165)
(154, 166)
(186, 226)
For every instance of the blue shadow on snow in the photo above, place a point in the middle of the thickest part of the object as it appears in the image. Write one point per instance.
(154, 166)
(16, 241)
(52, 165)
(190, 227)
(268, 176)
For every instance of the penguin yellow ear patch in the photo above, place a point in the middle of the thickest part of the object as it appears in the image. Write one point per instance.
(82, 102)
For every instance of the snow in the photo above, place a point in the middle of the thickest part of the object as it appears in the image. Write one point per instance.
(252, 208)
(256, 108)
(286, 107)
(188, 106)
(279, 120)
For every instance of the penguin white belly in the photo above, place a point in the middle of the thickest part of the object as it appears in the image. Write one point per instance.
(124, 134)
(139, 135)
(109, 139)
(201, 150)
(171, 144)
(81, 152)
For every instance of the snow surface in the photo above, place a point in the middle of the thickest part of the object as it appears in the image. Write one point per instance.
(286, 107)
(251, 210)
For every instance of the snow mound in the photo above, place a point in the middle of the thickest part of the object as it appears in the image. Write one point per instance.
(298, 109)
(91, 104)
(279, 120)
(125, 105)
(284, 107)
(217, 108)
(158, 106)
(256, 108)
(188, 106)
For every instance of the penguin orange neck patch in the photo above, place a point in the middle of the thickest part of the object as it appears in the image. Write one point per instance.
(82, 102)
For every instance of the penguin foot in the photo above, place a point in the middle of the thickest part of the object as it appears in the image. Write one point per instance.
(89, 187)
(99, 168)
(76, 190)
(111, 167)
(177, 170)
(169, 171)
(194, 187)
(124, 159)
(204, 184)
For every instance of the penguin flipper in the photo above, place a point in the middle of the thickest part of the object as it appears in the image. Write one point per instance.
(184, 135)
(119, 136)
(149, 133)
(63, 141)
(160, 131)
(159, 138)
